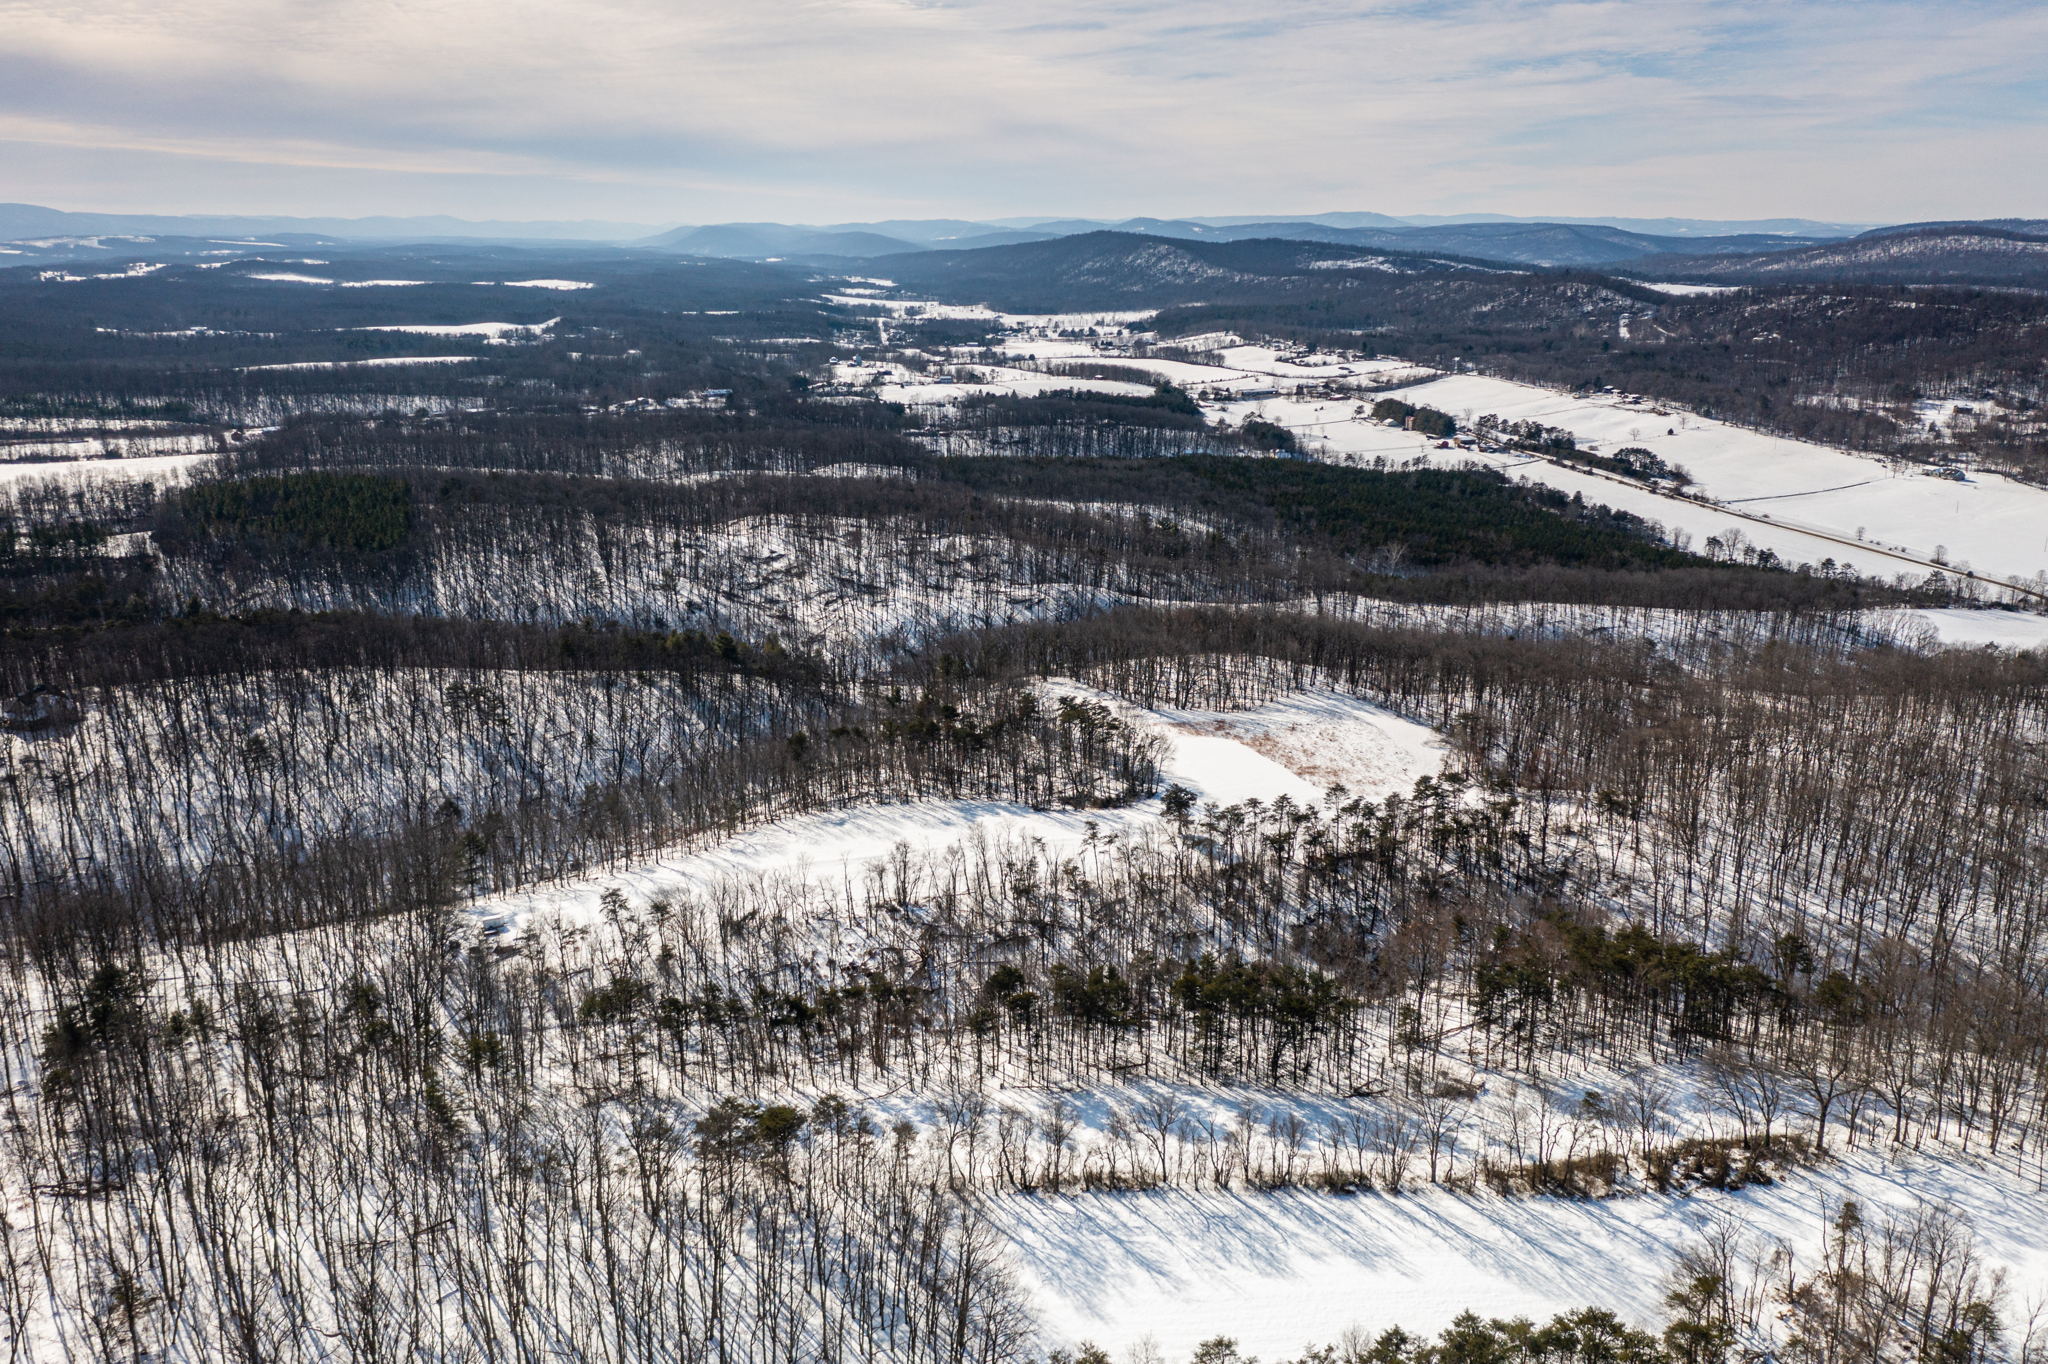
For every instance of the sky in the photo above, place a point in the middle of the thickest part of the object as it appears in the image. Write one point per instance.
(694, 111)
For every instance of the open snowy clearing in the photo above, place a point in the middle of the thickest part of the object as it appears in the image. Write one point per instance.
(1270, 361)
(1306, 742)
(293, 277)
(136, 271)
(494, 331)
(160, 468)
(1963, 628)
(1107, 319)
(1281, 1270)
(897, 385)
(120, 445)
(1991, 524)
(382, 361)
(1683, 290)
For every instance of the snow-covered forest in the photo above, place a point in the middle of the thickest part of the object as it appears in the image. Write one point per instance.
(765, 818)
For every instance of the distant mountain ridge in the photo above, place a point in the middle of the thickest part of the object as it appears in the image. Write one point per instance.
(1702, 250)
(1127, 269)
(764, 241)
(20, 222)
(23, 221)
(2032, 227)
(1962, 254)
(1512, 242)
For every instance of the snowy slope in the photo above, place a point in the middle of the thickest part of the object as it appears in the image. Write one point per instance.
(1991, 523)
(1278, 1271)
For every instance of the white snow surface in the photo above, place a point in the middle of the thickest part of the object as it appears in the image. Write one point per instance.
(379, 361)
(1964, 627)
(976, 312)
(135, 271)
(898, 385)
(1297, 746)
(1682, 290)
(495, 331)
(1281, 1270)
(160, 468)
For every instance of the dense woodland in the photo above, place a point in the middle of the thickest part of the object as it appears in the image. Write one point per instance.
(287, 737)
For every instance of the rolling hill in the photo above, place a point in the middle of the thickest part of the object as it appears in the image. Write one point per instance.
(1966, 254)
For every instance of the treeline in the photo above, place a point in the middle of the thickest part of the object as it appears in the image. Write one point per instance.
(855, 552)
(1427, 420)
(297, 796)
(372, 1200)
(1071, 422)
(770, 429)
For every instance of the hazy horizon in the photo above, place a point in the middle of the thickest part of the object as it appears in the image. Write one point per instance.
(1018, 221)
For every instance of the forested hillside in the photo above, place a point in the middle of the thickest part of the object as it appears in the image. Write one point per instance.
(654, 811)
(1835, 353)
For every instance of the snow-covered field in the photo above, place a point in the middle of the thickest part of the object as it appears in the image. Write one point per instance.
(1991, 523)
(1964, 628)
(135, 271)
(1281, 1270)
(1682, 290)
(119, 445)
(490, 331)
(895, 384)
(379, 362)
(156, 468)
(1804, 502)
(975, 312)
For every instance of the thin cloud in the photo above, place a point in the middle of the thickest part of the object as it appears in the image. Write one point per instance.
(712, 108)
